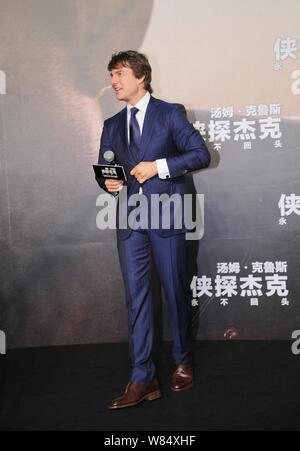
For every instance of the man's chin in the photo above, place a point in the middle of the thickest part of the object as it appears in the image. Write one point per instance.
(121, 97)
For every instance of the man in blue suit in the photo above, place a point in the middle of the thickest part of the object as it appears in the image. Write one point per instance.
(157, 146)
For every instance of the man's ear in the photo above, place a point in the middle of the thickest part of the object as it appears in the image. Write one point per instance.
(141, 80)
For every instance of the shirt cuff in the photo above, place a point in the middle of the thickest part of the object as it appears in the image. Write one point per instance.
(163, 169)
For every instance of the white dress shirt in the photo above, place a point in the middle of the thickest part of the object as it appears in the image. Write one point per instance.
(162, 166)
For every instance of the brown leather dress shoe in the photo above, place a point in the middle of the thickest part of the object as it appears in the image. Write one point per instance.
(182, 378)
(135, 393)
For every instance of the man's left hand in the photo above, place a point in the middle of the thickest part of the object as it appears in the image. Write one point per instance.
(144, 171)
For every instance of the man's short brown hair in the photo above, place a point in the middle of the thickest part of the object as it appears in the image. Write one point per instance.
(138, 62)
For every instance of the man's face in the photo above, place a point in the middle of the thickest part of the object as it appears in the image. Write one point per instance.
(126, 86)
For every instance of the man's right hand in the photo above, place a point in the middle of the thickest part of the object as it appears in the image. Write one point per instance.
(113, 186)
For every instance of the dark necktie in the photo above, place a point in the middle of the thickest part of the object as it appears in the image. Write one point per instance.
(134, 131)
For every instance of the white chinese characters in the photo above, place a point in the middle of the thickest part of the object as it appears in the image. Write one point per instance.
(223, 128)
(284, 48)
(110, 172)
(268, 279)
(288, 205)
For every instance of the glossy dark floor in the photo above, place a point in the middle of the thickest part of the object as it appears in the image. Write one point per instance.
(238, 386)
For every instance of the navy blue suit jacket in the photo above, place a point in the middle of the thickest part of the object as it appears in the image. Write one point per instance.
(167, 133)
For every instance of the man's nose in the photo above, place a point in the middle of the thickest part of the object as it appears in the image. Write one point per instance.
(113, 81)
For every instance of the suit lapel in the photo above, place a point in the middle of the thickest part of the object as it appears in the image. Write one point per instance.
(122, 127)
(149, 122)
(131, 160)
(150, 117)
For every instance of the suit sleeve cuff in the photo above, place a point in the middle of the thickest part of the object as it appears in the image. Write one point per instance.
(163, 169)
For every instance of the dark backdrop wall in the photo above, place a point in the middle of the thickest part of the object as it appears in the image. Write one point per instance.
(60, 281)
